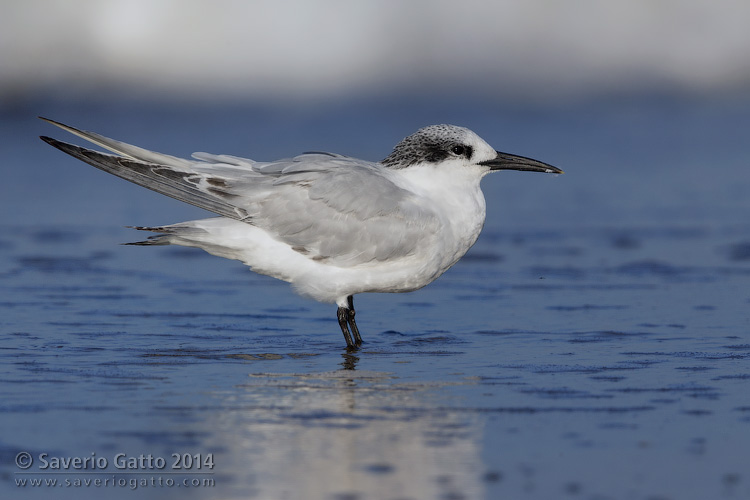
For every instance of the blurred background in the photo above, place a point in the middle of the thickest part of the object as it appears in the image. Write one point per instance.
(634, 263)
(645, 104)
(302, 51)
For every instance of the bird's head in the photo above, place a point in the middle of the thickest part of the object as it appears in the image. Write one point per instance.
(458, 145)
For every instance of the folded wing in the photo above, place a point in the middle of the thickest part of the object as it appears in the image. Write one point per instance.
(328, 207)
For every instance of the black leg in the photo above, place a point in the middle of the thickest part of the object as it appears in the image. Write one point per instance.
(343, 315)
(352, 323)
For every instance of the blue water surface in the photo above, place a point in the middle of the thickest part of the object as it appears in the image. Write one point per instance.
(595, 343)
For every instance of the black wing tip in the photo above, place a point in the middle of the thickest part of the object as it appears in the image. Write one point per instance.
(62, 146)
(54, 142)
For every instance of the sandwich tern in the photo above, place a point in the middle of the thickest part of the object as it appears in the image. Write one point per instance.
(331, 225)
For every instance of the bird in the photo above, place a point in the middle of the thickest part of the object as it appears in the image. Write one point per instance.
(333, 226)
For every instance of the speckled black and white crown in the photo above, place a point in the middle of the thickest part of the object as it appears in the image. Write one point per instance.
(431, 145)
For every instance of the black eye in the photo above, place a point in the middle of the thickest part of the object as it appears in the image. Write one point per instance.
(458, 150)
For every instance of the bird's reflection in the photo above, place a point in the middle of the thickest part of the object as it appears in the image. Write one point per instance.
(350, 361)
(338, 433)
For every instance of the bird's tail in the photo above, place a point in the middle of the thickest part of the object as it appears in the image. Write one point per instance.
(159, 239)
(206, 234)
(174, 234)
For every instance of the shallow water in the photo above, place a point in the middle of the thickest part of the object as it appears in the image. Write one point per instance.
(595, 343)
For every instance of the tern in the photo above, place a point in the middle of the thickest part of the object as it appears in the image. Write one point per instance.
(331, 225)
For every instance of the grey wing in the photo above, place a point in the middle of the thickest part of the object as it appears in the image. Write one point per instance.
(162, 173)
(326, 206)
(348, 213)
(160, 178)
(329, 207)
